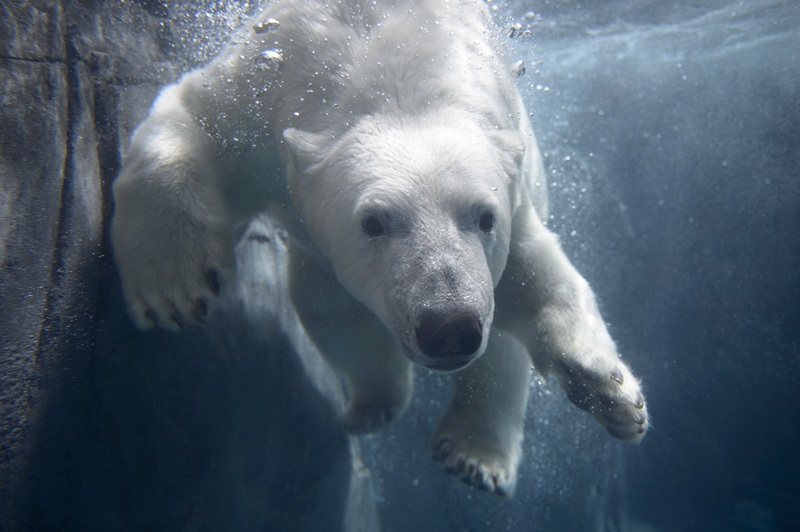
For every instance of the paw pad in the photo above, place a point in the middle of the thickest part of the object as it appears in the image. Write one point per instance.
(614, 400)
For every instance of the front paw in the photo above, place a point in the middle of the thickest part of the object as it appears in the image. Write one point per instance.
(172, 278)
(613, 397)
(476, 463)
(184, 302)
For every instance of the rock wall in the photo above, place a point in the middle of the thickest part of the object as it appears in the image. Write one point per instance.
(104, 427)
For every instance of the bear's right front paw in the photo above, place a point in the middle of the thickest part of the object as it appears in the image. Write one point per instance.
(181, 305)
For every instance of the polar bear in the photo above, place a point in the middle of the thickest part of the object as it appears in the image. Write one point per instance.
(391, 143)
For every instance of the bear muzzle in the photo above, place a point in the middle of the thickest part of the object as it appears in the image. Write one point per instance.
(449, 339)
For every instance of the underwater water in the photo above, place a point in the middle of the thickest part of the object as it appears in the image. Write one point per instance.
(671, 137)
(680, 119)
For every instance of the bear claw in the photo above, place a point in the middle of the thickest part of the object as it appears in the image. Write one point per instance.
(478, 468)
(212, 278)
(639, 403)
(200, 311)
(152, 316)
(178, 320)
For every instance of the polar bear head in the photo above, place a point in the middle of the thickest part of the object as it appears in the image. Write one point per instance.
(415, 218)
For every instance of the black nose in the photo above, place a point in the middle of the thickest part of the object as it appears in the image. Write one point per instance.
(449, 334)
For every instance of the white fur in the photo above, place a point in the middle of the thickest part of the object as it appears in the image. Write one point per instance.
(406, 114)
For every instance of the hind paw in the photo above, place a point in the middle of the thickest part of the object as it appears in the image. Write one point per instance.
(364, 418)
(477, 465)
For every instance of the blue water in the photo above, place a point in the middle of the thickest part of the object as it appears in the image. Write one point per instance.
(681, 120)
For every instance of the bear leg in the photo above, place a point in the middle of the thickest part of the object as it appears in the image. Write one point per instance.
(354, 342)
(171, 228)
(479, 439)
(550, 307)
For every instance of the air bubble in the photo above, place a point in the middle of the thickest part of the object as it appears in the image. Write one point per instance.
(268, 60)
(266, 26)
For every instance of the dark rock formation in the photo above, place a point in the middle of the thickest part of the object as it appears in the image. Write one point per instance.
(104, 427)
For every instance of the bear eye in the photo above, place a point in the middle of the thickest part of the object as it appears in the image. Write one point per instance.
(486, 222)
(372, 226)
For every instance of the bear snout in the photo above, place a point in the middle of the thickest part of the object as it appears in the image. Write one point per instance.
(450, 339)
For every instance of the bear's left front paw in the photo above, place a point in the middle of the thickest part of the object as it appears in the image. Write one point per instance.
(478, 465)
(614, 398)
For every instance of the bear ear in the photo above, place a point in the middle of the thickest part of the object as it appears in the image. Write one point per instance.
(305, 149)
(512, 147)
